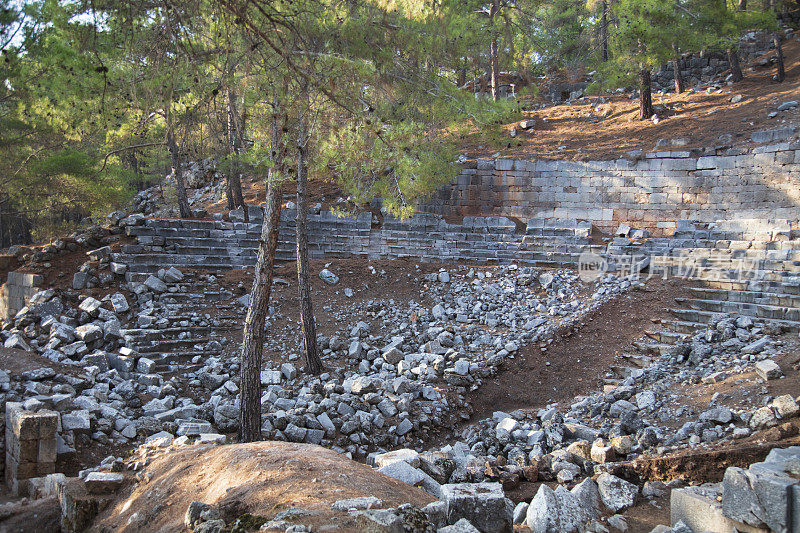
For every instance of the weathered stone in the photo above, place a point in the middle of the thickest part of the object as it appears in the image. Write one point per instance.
(482, 504)
(786, 406)
(363, 502)
(763, 418)
(462, 526)
(78, 507)
(155, 284)
(768, 370)
(409, 456)
(328, 277)
(617, 494)
(103, 482)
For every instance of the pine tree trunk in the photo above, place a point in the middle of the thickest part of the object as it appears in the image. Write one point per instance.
(309, 333)
(645, 98)
(235, 140)
(781, 74)
(736, 69)
(177, 173)
(257, 309)
(493, 67)
(493, 61)
(604, 31)
(3, 226)
(229, 192)
(679, 84)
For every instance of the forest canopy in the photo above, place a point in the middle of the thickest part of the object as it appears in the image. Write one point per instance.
(101, 98)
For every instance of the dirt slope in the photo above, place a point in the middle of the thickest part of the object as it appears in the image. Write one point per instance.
(261, 478)
(575, 362)
(576, 131)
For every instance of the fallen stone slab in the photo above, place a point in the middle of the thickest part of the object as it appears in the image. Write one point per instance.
(155, 284)
(103, 482)
(462, 526)
(409, 456)
(616, 493)
(363, 502)
(757, 346)
(191, 429)
(211, 438)
(767, 494)
(379, 520)
(409, 475)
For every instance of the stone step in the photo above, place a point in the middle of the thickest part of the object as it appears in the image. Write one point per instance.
(741, 296)
(683, 326)
(749, 309)
(639, 360)
(162, 333)
(184, 367)
(652, 348)
(666, 337)
(701, 316)
(193, 298)
(182, 357)
(745, 268)
(139, 273)
(161, 260)
(777, 287)
(708, 275)
(739, 253)
(167, 347)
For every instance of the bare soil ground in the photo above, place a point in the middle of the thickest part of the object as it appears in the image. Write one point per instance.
(576, 131)
(261, 479)
(38, 516)
(399, 281)
(576, 361)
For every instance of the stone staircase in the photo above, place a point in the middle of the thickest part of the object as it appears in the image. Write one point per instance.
(194, 316)
(193, 319)
(748, 268)
(222, 245)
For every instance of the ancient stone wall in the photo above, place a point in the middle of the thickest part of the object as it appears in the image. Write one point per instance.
(648, 191)
(16, 292)
(703, 66)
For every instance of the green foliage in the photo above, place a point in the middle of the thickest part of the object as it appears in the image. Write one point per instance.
(560, 33)
(89, 91)
(642, 40)
(401, 163)
(714, 24)
(646, 31)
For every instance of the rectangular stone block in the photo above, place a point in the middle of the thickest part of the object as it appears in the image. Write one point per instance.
(24, 280)
(26, 451)
(48, 424)
(26, 470)
(698, 508)
(44, 469)
(46, 451)
(23, 425)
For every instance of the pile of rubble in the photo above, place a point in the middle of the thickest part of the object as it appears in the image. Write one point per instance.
(418, 372)
(622, 423)
(409, 377)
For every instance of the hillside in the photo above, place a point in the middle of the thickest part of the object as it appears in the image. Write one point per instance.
(608, 126)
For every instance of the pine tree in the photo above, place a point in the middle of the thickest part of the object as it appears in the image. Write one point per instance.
(644, 39)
